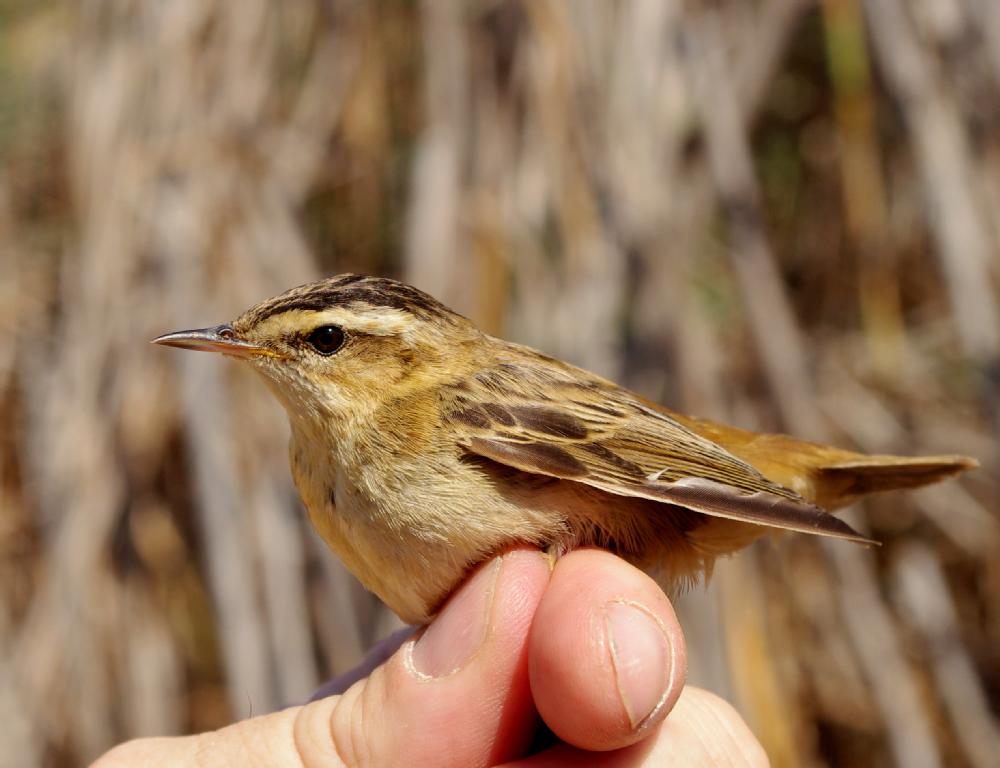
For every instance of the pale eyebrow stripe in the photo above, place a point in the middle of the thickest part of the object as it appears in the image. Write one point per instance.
(375, 322)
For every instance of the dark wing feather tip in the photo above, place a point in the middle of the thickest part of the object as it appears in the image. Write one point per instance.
(532, 457)
(472, 417)
(499, 414)
(549, 421)
(762, 507)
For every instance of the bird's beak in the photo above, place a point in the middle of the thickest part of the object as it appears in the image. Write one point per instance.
(221, 338)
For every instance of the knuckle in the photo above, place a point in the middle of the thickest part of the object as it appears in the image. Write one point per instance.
(348, 726)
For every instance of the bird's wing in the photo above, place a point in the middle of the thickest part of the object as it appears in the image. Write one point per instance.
(549, 418)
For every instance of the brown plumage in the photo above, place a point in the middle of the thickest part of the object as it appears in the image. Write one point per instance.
(421, 446)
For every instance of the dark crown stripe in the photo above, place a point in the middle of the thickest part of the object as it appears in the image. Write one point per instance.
(348, 290)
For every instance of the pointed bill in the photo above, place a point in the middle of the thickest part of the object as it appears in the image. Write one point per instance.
(220, 338)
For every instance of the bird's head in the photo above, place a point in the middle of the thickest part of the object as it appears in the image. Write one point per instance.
(342, 345)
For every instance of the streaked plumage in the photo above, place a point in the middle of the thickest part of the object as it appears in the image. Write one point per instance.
(422, 446)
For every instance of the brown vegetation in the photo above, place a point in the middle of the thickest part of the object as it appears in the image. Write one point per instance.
(779, 213)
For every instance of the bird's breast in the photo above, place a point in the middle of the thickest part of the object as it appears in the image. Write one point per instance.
(390, 523)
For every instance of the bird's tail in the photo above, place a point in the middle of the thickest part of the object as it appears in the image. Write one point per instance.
(839, 483)
(827, 476)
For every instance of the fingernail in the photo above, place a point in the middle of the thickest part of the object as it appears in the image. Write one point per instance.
(642, 656)
(456, 634)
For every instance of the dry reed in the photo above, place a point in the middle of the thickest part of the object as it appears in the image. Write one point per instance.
(778, 213)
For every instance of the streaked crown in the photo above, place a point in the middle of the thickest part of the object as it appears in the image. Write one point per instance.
(358, 294)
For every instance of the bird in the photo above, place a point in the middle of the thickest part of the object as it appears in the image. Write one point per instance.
(422, 446)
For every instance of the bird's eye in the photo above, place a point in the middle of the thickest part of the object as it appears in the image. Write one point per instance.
(326, 339)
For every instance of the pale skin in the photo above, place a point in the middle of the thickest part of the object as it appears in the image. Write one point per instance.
(592, 647)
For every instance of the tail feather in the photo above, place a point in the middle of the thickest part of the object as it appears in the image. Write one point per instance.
(843, 482)
(829, 477)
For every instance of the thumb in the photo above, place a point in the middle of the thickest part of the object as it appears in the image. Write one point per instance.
(456, 694)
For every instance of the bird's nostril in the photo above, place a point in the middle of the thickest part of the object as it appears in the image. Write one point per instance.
(227, 333)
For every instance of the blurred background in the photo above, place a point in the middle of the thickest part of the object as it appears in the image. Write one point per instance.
(778, 213)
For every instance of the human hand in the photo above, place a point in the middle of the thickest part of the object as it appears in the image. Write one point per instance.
(593, 646)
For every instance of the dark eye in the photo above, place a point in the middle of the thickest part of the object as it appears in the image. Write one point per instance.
(326, 339)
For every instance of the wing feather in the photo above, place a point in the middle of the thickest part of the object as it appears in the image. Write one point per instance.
(562, 422)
